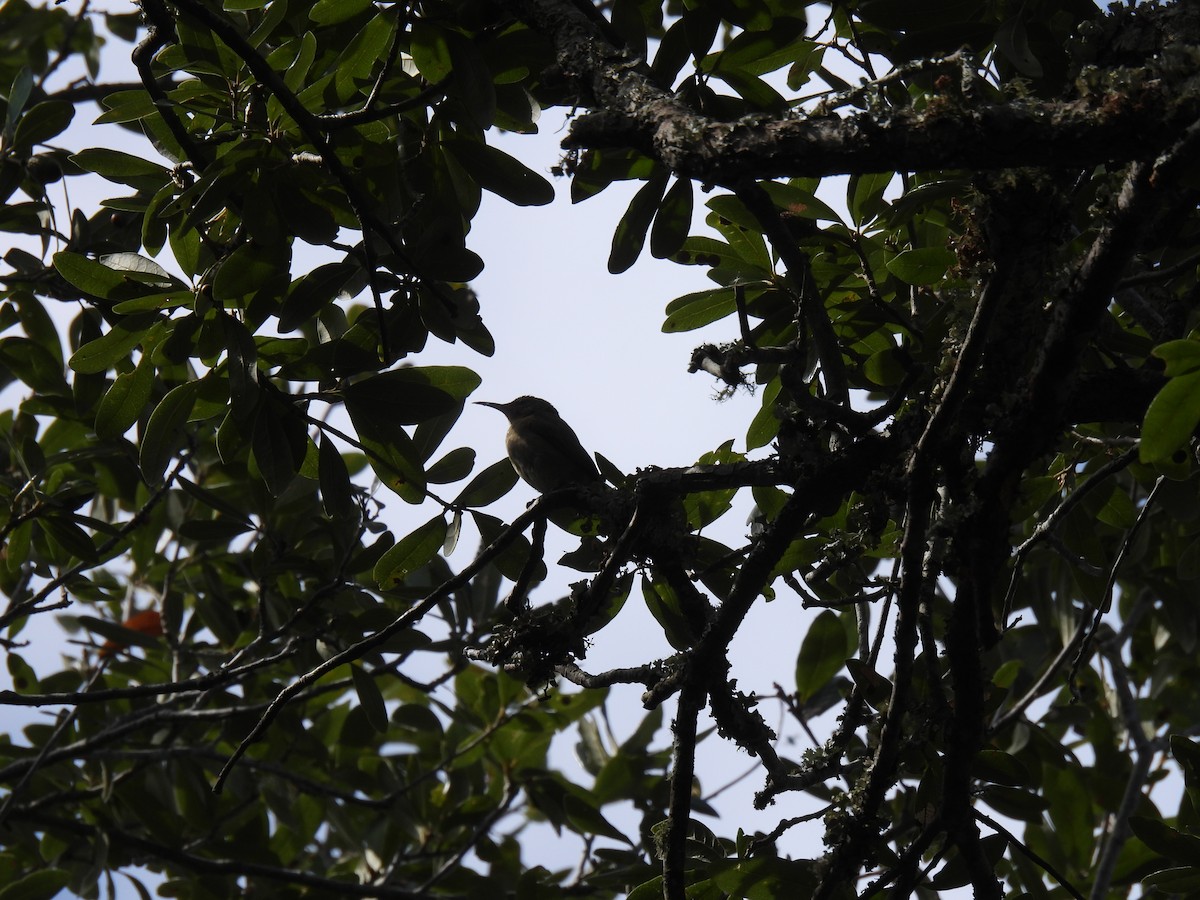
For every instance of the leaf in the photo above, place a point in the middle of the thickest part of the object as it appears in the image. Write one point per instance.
(123, 168)
(1162, 838)
(64, 532)
(88, 275)
(796, 201)
(454, 466)
(44, 121)
(823, 652)
(760, 52)
(411, 395)
(278, 442)
(164, 431)
(410, 553)
(1175, 881)
(312, 293)
(664, 605)
(369, 698)
(489, 485)
(154, 274)
(630, 235)
(1012, 40)
(41, 885)
(864, 195)
(586, 819)
(331, 12)
(125, 400)
(496, 171)
(766, 877)
(107, 350)
(472, 80)
(453, 532)
(18, 96)
(336, 493)
(390, 452)
(429, 45)
(1181, 357)
(33, 364)
(1171, 418)
(692, 311)
(924, 265)
(1187, 754)
(672, 221)
(251, 268)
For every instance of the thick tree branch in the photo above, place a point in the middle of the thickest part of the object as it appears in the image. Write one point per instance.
(691, 700)
(1151, 110)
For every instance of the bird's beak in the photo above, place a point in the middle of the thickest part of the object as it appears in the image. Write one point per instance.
(499, 406)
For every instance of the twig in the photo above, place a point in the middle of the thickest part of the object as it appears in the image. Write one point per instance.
(999, 722)
(1033, 857)
(1132, 796)
(518, 600)
(485, 824)
(1111, 582)
(647, 674)
(691, 699)
(1051, 521)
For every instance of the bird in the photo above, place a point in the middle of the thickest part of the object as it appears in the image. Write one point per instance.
(543, 448)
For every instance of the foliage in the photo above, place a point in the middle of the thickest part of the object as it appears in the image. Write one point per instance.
(954, 366)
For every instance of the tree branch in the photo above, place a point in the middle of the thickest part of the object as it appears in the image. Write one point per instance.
(1154, 106)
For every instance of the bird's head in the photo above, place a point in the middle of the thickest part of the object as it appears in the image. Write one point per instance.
(522, 408)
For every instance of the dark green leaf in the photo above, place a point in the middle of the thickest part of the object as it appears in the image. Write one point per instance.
(411, 395)
(33, 364)
(496, 171)
(1171, 418)
(123, 168)
(430, 49)
(925, 265)
(760, 52)
(864, 196)
(672, 221)
(1181, 357)
(69, 536)
(823, 652)
(410, 553)
(88, 275)
(630, 235)
(125, 400)
(331, 12)
(389, 449)
(164, 430)
(454, 466)
(44, 121)
(336, 493)
(692, 311)
(369, 698)
(279, 443)
(664, 604)
(250, 268)
(41, 885)
(106, 351)
(489, 485)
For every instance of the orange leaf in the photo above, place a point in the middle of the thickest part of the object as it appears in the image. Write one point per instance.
(147, 622)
